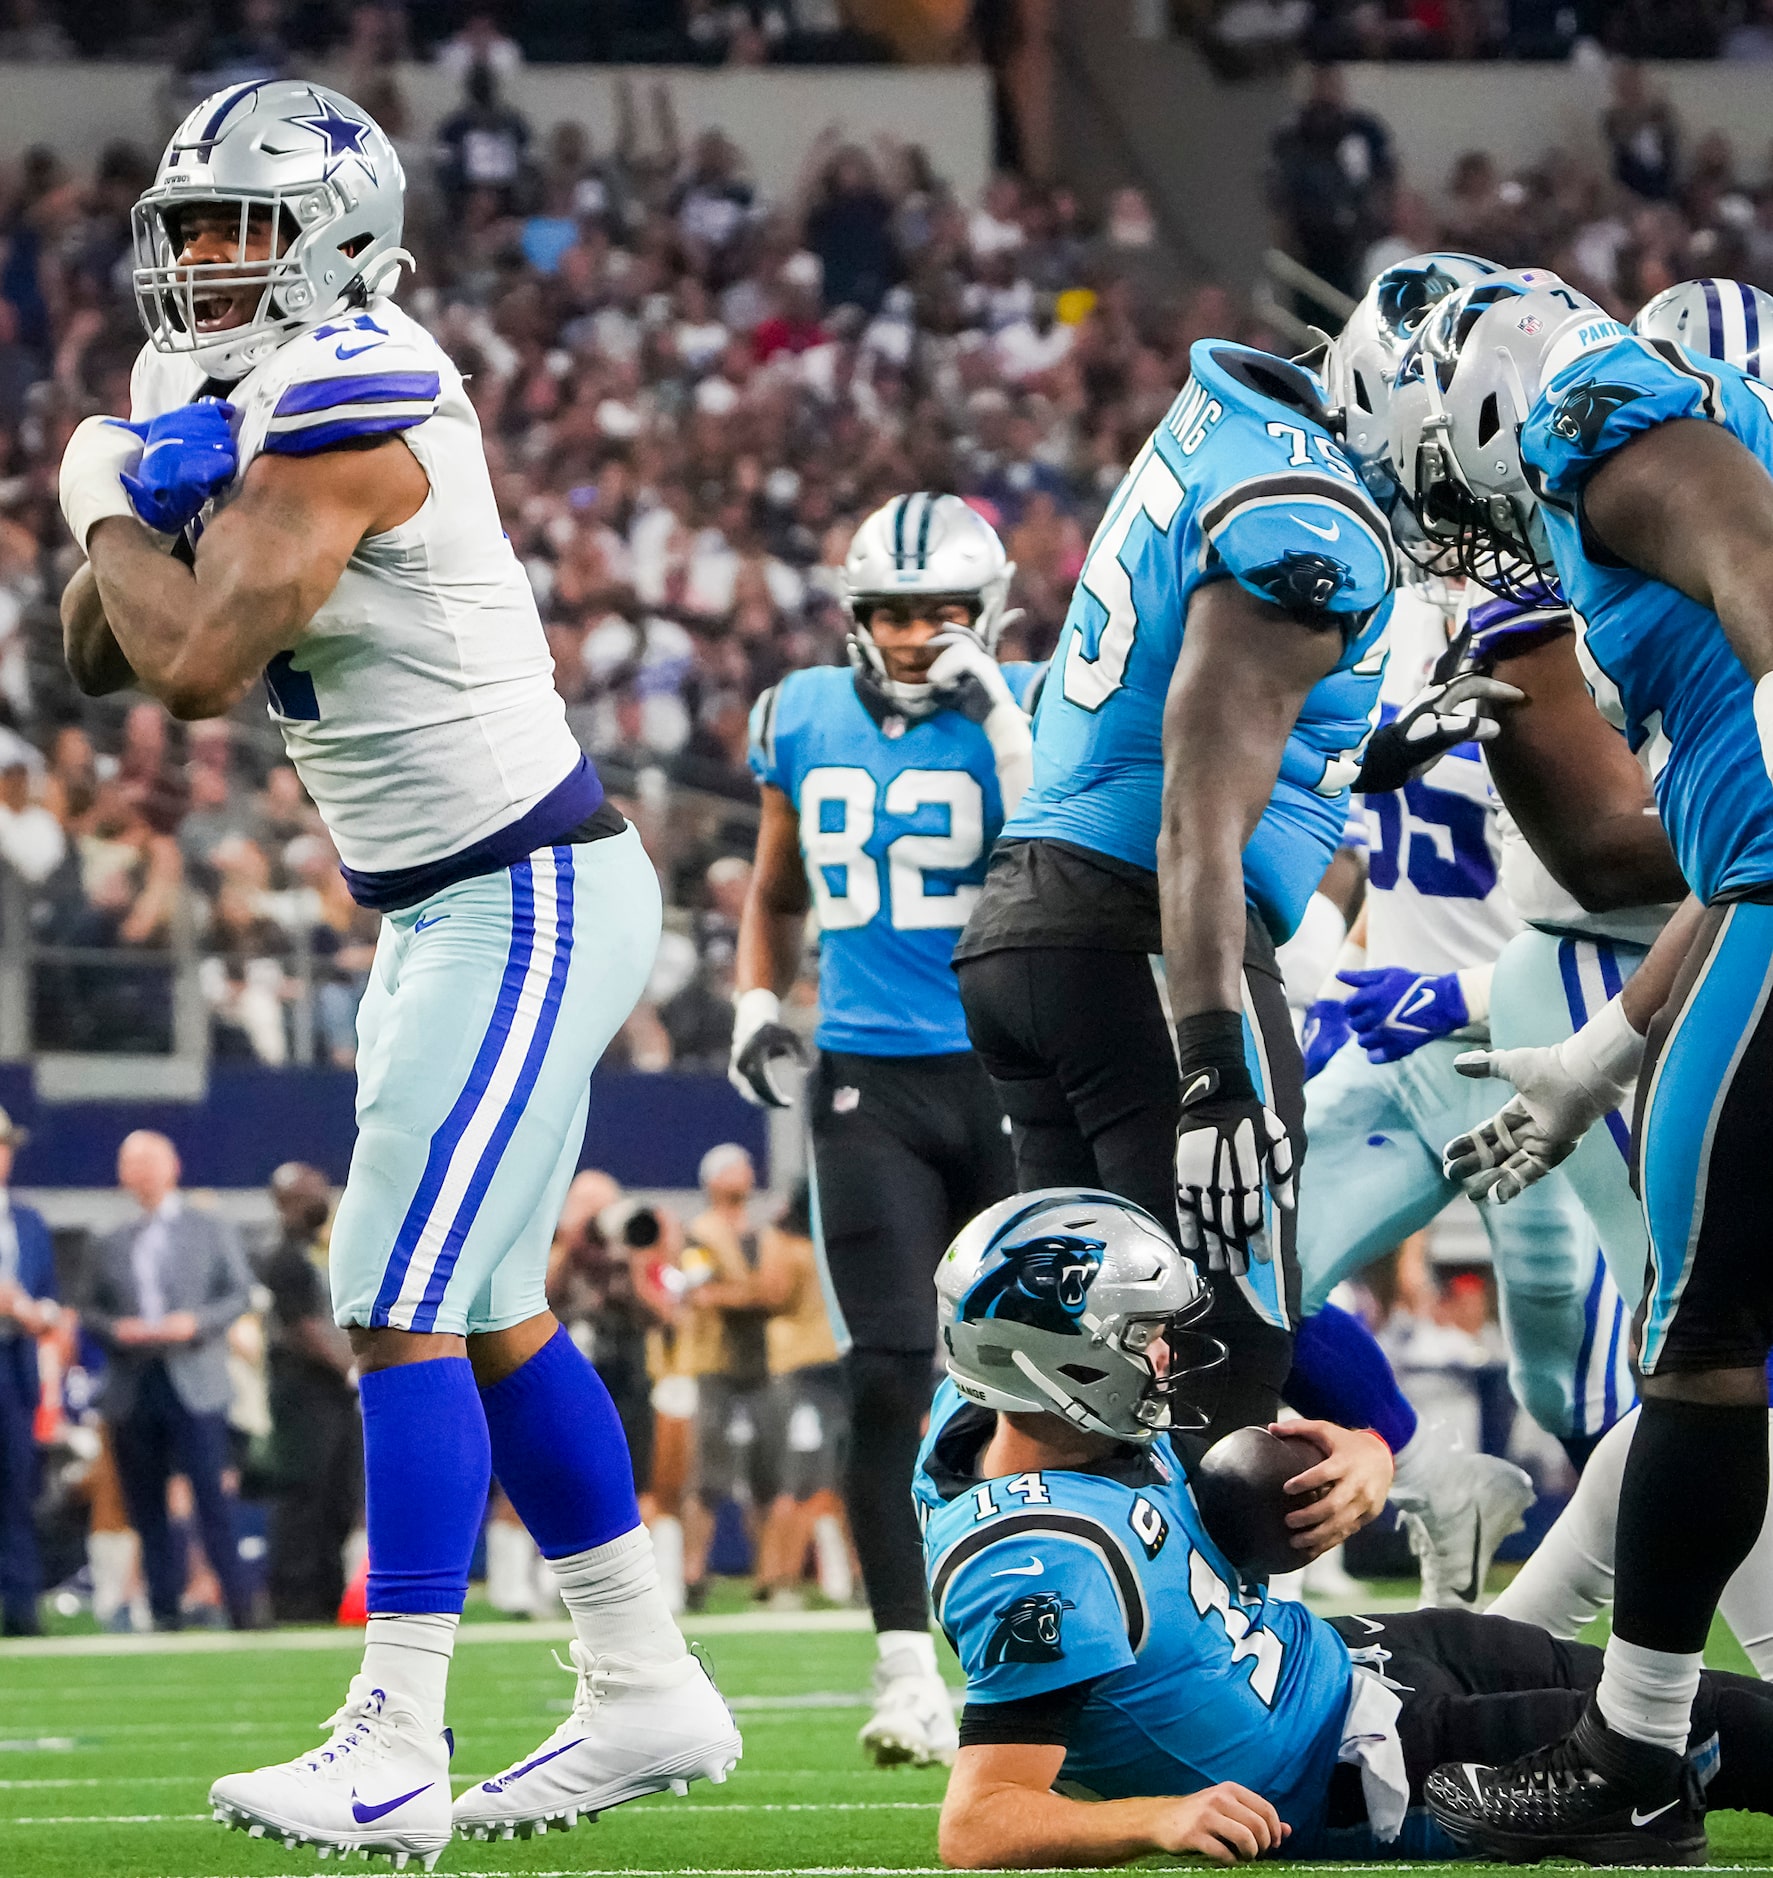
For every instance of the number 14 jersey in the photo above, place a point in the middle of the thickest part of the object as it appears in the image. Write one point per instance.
(896, 821)
(1241, 481)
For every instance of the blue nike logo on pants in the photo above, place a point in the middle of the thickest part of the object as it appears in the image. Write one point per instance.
(423, 925)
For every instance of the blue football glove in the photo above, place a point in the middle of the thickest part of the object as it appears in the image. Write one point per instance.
(1394, 1011)
(189, 454)
(1327, 1029)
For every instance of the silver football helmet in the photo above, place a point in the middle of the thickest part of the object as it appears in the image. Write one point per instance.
(1360, 363)
(1048, 1303)
(1715, 319)
(1465, 387)
(320, 179)
(931, 547)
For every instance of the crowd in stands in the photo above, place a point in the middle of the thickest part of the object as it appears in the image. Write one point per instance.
(691, 392)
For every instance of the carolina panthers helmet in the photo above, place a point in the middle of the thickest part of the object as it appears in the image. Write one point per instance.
(1361, 362)
(933, 547)
(1714, 318)
(335, 194)
(1466, 385)
(1049, 1302)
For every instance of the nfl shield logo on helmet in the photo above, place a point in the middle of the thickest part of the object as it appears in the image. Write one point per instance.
(1530, 324)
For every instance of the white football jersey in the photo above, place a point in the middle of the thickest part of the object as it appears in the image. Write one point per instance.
(1435, 899)
(1536, 896)
(419, 706)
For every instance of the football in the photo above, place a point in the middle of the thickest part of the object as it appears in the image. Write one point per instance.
(1238, 1486)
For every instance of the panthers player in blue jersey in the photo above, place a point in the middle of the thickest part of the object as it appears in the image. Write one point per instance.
(1543, 440)
(883, 789)
(1209, 696)
(1110, 1644)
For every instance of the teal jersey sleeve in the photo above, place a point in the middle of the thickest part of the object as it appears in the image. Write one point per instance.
(1605, 399)
(761, 752)
(1304, 542)
(1035, 1611)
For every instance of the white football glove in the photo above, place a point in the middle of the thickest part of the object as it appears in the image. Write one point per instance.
(762, 1043)
(93, 466)
(966, 678)
(1561, 1093)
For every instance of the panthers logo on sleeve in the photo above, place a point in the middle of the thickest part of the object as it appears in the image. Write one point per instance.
(1301, 581)
(1582, 416)
(1042, 1283)
(1029, 1630)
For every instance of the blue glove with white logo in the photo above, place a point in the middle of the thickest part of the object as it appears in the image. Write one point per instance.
(1327, 1029)
(1394, 1011)
(188, 455)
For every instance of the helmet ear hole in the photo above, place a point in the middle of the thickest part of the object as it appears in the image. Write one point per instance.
(1081, 1372)
(1362, 396)
(1489, 419)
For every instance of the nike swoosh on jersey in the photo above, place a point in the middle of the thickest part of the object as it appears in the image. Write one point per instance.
(1021, 1571)
(343, 352)
(1332, 533)
(1643, 1819)
(364, 1814)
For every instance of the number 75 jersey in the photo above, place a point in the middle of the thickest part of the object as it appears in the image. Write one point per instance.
(896, 822)
(1241, 481)
(1045, 1580)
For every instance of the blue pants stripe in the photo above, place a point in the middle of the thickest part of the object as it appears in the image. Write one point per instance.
(444, 1141)
(1591, 1310)
(425, 1317)
(1577, 1000)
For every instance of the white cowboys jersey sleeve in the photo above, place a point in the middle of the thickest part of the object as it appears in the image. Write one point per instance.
(419, 705)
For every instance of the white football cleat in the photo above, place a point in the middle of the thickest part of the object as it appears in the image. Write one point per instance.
(913, 1720)
(635, 1728)
(378, 1783)
(1457, 1508)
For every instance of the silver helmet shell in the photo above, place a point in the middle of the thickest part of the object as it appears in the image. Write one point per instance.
(930, 546)
(1465, 387)
(1048, 1303)
(334, 191)
(1360, 363)
(1714, 318)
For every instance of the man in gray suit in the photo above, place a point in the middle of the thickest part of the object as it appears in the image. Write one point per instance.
(163, 1291)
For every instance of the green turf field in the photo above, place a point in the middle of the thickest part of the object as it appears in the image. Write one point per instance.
(105, 1760)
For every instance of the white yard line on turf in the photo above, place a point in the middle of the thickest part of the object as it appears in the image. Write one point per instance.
(663, 1811)
(205, 1642)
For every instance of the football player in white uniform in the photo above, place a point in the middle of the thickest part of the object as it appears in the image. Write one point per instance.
(332, 526)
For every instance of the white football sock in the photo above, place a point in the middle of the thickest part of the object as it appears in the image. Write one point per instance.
(617, 1604)
(111, 1557)
(407, 1655)
(511, 1558)
(1569, 1577)
(917, 1643)
(832, 1552)
(667, 1532)
(1648, 1695)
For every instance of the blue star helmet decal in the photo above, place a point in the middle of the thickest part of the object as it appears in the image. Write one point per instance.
(344, 135)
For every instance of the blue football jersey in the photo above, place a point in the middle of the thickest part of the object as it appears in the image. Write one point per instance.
(1047, 1579)
(1660, 662)
(895, 832)
(1234, 484)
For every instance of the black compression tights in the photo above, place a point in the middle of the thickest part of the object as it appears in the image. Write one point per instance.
(889, 1398)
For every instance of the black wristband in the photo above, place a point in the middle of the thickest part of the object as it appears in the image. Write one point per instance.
(1212, 1043)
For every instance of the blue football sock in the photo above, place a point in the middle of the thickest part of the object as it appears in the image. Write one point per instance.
(426, 1469)
(559, 1451)
(1340, 1374)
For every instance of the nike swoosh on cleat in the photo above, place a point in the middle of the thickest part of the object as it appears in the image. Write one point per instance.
(1643, 1819)
(1020, 1571)
(1370, 1625)
(1332, 533)
(365, 1814)
(528, 1767)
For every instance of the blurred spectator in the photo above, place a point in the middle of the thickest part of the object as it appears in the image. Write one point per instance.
(849, 226)
(1642, 134)
(1332, 167)
(316, 1432)
(31, 840)
(244, 980)
(27, 1310)
(1751, 38)
(162, 1293)
(480, 42)
(482, 148)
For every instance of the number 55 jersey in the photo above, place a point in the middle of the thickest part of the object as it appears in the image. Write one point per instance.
(1043, 1581)
(897, 817)
(1241, 481)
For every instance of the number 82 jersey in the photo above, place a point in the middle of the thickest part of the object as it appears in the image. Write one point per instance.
(1240, 481)
(896, 822)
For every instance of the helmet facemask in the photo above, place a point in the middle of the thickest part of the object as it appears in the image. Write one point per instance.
(914, 698)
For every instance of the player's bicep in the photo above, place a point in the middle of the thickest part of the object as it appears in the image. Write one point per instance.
(779, 883)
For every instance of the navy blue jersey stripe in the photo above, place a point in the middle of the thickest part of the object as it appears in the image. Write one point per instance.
(321, 394)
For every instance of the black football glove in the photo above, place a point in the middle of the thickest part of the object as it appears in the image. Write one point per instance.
(1458, 705)
(762, 1043)
(1230, 1147)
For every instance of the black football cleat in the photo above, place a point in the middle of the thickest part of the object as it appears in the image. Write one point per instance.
(1597, 1796)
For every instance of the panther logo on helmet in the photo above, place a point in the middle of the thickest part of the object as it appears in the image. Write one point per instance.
(1580, 418)
(1028, 1631)
(1042, 1282)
